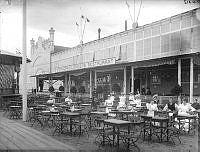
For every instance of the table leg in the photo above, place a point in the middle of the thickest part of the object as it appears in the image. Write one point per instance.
(161, 131)
(70, 126)
(118, 136)
(113, 135)
(128, 138)
(189, 126)
(167, 132)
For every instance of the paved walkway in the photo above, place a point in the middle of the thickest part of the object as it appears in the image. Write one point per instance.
(15, 136)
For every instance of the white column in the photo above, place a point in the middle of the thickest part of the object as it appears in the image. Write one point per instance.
(65, 84)
(132, 79)
(179, 72)
(24, 78)
(90, 83)
(95, 79)
(191, 79)
(125, 80)
(69, 83)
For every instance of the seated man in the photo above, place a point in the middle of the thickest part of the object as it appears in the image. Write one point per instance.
(171, 106)
(68, 100)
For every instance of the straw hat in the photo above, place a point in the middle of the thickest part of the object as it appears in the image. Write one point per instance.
(155, 96)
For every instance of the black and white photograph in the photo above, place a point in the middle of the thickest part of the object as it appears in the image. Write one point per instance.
(99, 75)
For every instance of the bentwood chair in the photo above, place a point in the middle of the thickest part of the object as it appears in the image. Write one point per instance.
(61, 124)
(130, 138)
(104, 133)
(147, 127)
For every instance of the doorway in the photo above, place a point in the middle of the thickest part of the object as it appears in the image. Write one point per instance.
(136, 85)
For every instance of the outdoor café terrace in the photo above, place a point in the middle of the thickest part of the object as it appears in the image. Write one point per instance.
(81, 126)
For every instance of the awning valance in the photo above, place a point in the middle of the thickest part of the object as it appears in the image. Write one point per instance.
(152, 63)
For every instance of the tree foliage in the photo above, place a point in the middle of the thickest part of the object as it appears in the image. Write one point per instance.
(177, 90)
(51, 89)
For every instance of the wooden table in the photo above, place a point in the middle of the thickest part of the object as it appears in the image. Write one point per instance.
(71, 116)
(124, 112)
(115, 123)
(94, 115)
(156, 123)
(161, 123)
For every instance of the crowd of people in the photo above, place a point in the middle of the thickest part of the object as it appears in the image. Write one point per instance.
(135, 100)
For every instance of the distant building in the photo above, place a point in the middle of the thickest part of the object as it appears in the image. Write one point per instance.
(157, 56)
(9, 72)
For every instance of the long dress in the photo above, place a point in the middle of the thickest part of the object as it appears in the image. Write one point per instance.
(151, 108)
(183, 110)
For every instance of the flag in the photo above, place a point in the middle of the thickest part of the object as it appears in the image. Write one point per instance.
(82, 16)
(127, 4)
(87, 20)
(77, 24)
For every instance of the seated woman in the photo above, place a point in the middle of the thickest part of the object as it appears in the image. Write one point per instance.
(137, 101)
(122, 101)
(152, 106)
(184, 109)
(109, 101)
(51, 99)
(171, 106)
(131, 97)
(68, 100)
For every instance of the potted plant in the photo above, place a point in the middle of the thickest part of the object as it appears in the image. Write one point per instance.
(81, 89)
(51, 89)
(73, 90)
(177, 90)
(61, 88)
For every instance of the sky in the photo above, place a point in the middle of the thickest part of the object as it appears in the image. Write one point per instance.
(62, 15)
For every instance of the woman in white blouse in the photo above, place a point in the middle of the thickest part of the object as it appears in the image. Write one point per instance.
(184, 109)
(152, 106)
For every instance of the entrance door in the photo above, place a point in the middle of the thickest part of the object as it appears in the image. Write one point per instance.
(136, 85)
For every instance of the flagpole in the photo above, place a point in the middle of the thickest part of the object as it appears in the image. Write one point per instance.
(83, 31)
(24, 66)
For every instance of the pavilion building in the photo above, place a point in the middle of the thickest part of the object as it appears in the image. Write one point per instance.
(157, 56)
